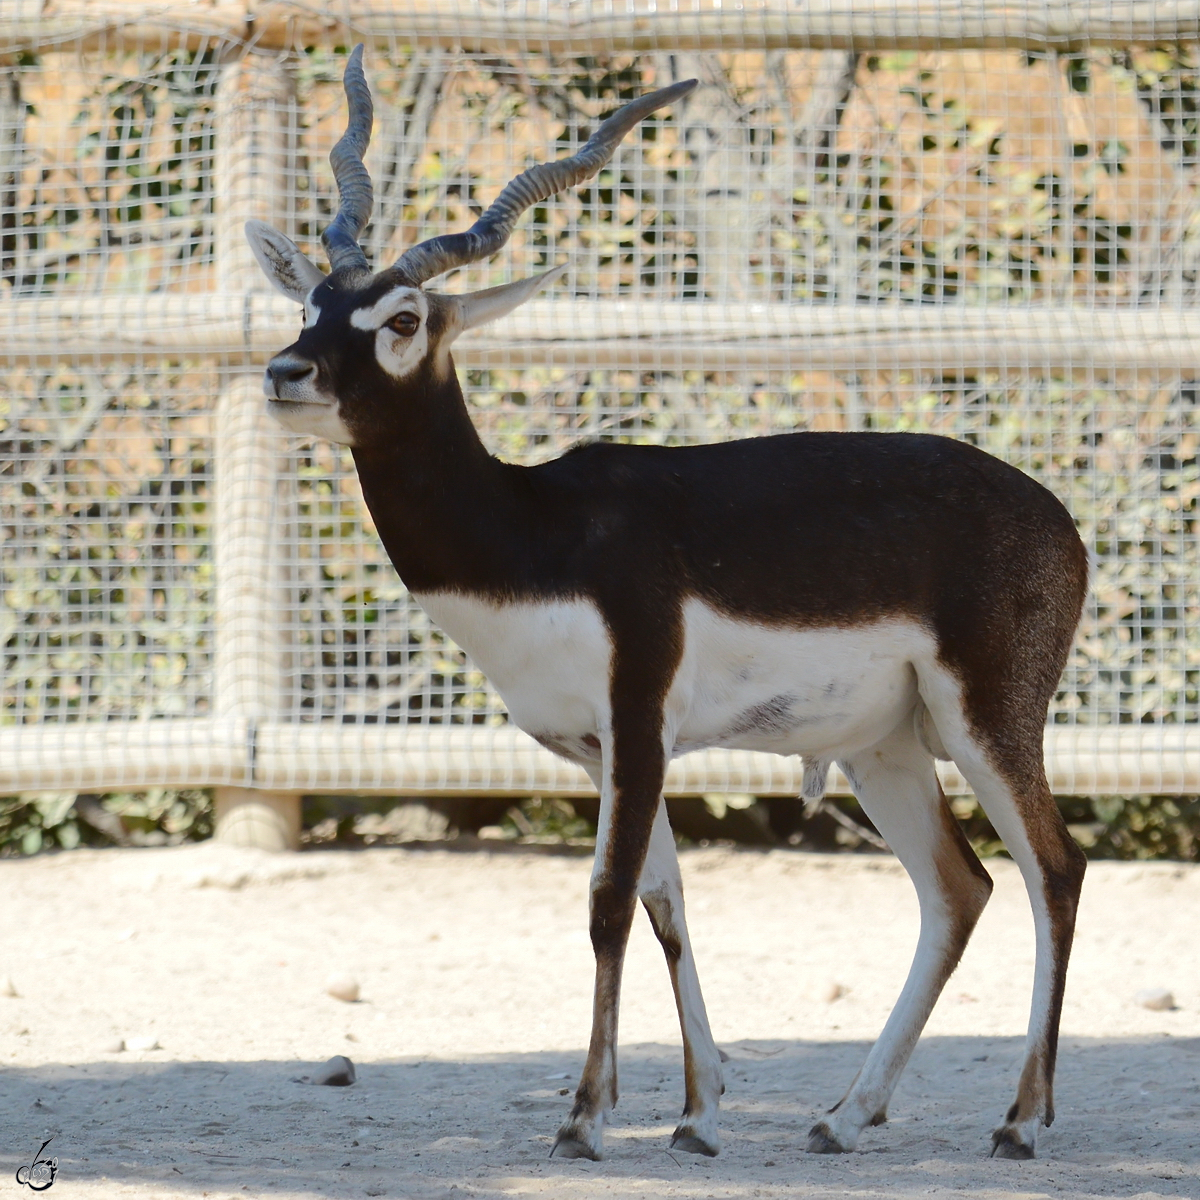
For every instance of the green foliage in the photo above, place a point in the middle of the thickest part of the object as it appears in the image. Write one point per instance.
(1120, 827)
(134, 200)
(1107, 827)
(1166, 79)
(36, 821)
(546, 819)
(106, 587)
(1138, 827)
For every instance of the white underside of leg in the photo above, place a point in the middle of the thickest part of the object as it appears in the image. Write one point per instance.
(661, 886)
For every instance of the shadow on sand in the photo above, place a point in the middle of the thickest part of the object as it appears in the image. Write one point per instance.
(1129, 1124)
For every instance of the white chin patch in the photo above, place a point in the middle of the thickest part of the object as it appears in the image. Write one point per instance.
(312, 420)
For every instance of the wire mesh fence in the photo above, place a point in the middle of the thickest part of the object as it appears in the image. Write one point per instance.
(952, 227)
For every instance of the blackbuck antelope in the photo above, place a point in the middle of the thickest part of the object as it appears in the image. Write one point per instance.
(878, 600)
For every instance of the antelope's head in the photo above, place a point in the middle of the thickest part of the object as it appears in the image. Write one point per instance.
(372, 337)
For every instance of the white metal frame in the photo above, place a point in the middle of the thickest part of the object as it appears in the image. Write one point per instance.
(257, 759)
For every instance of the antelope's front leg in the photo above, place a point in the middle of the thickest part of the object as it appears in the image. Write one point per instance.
(632, 783)
(661, 890)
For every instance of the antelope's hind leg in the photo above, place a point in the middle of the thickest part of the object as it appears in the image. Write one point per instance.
(898, 789)
(1010, 781)
(661, 891)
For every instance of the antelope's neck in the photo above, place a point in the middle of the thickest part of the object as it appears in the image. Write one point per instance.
(451, 516)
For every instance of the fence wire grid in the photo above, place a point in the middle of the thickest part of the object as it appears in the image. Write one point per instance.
(1001, 245)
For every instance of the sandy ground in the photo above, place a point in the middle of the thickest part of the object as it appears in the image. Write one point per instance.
(476, 975)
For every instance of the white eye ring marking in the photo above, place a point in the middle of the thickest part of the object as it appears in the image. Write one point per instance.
(375, 315)
(399, 355)
(312, 310)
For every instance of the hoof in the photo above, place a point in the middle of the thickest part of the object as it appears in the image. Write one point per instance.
(822, 1141)
(1007, 1143)
(568, 1146)
(687, 1139)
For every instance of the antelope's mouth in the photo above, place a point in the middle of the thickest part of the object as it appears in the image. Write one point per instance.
(296, 402)
(311, 416)
(298, 415)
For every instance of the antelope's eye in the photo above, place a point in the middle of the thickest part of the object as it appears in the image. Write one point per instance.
(405, 324)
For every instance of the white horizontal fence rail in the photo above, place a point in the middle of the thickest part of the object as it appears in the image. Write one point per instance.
(612, 25)
(420, 760)
(248, 328)
(743, 277)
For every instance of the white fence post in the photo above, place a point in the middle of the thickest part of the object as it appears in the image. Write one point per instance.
(252, 163)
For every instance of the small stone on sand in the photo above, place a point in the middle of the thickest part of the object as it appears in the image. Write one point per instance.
(116, 1046)
(337, 1072)
(142, 1043)
(835, 991)
(1156, 999)
(9, 989)
(342, 987)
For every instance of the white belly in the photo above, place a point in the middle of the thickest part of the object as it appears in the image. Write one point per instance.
(826, 692)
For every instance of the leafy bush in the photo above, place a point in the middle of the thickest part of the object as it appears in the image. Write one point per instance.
(35, 821)
(1107, 827)
(1120, 827)
(546, 819)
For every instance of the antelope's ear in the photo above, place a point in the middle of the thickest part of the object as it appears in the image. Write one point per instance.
(282, 261)
(477, 308)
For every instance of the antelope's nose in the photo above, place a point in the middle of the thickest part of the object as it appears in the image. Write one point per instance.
(284, 372)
